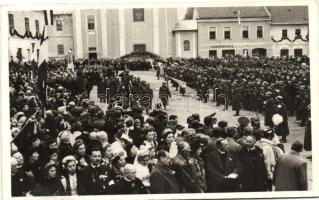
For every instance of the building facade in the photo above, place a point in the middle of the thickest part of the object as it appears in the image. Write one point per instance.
(116, 32)
(246, 31)
(204, 32)
(61, 35)
(289, 30)
(25, 28)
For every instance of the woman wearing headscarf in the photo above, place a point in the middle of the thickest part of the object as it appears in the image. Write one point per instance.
(117, 166)
(143, 167)
(51, 184)
(70, 177)
(107, 155)
(168, 142)
(80, 154)
(197, 165)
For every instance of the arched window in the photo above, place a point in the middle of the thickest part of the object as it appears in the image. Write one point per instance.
(187, 45)
(91, 23)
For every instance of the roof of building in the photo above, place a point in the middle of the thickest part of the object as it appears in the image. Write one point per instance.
(279, 14)
(288, 14)
(185, 25)
(227, 12)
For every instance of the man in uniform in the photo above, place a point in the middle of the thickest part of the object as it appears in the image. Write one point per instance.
(164, 94)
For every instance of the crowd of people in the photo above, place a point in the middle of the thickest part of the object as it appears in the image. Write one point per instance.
(68, 145)
(245, 81)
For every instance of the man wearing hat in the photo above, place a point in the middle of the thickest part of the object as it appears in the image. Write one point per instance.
(291, 171)
(236, 101)
(164, 94)
(243, 123)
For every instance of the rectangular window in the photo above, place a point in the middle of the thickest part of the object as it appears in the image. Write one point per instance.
(139, 48)
(284, 33)
(260, 32)
(92, 48)
(91, 24)
(227, 32)
(58, 24)
(60, 49)
(298, 52)
(245, 32)
(212, 33)
(11, 21)
(298, 32)
(37, 26)
(187, 45)
(138, 14)
(27, 24)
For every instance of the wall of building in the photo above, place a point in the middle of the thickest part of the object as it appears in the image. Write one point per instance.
(64, 37)
(26, 44)
(166, 40)
(141, 32)
(90, 38)
(116, 33)
(236, 42)
(191, 36)
(113, 35)
(276, 32)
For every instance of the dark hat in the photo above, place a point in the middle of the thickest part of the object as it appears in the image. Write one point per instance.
(297, 146)
(217, 132)
(77, 143)
(129, 123)
(195, 116)
(255, 120)
(195, 145)
(222, 124)
(243, 121)
(231, 131)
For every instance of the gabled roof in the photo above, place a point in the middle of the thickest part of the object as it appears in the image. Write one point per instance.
(279, 14)
(227, 12)
(288, 14)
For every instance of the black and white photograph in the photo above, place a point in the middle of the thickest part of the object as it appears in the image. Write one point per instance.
(154, 99)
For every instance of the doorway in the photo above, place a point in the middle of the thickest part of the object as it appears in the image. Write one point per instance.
(228, 52)
(298, 52)
(93, 55)
(212, 53)
(284, 52)
(258, 52)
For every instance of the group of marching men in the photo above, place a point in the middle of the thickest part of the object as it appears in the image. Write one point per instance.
(70, 146)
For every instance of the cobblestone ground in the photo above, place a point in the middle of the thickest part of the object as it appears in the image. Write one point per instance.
(184, 106)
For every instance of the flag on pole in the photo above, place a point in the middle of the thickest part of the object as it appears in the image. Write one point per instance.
(238, 13)
(43, 55)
